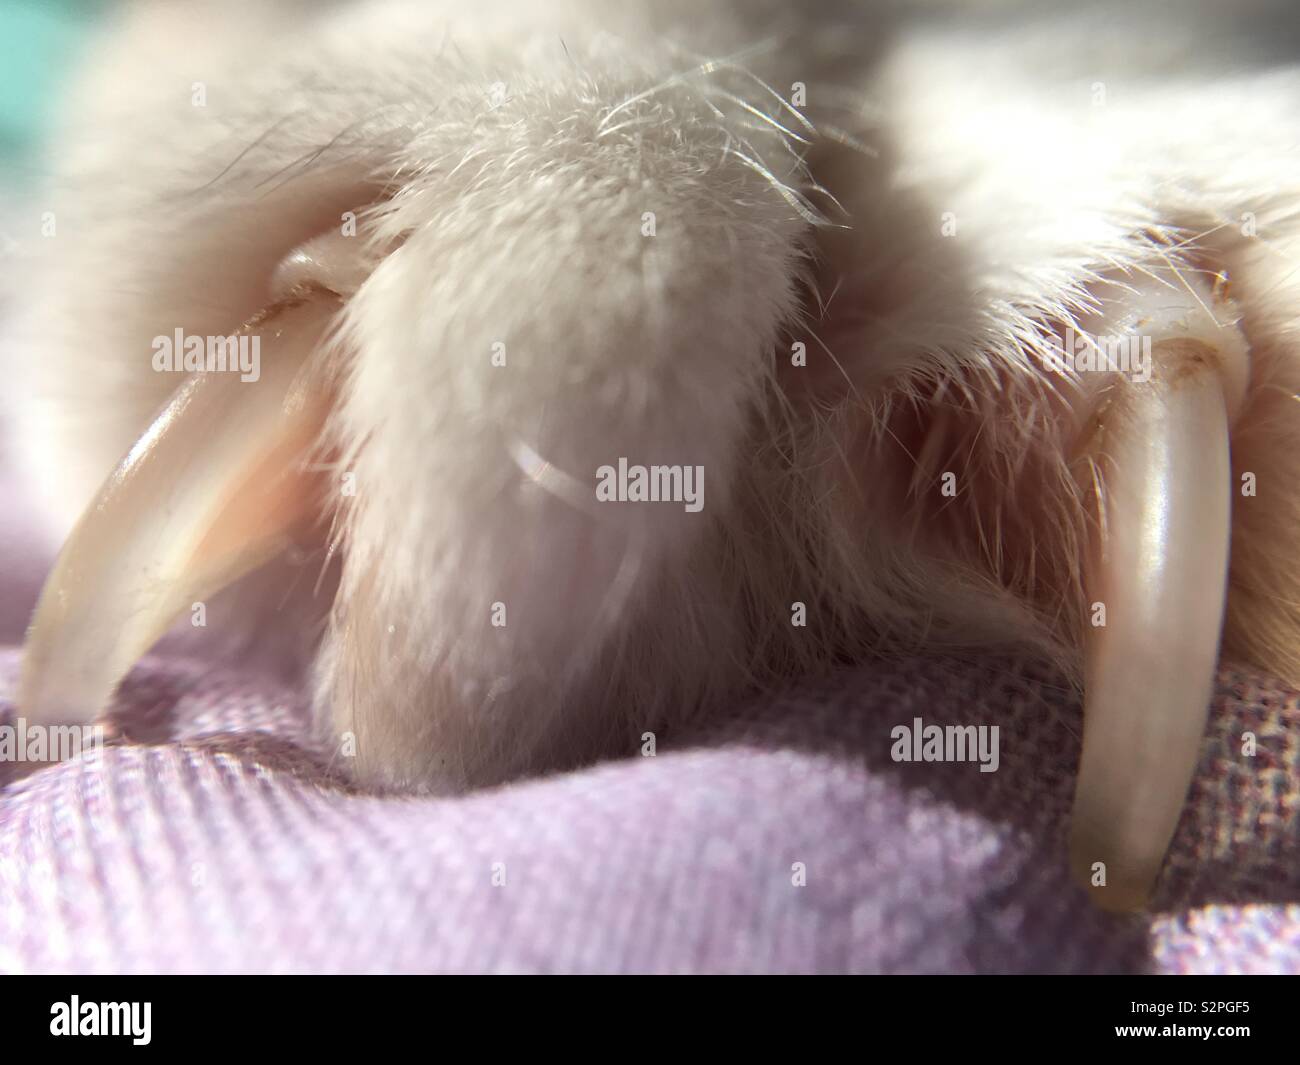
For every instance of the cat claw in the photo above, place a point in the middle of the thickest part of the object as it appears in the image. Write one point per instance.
(1157, 586)
(211, 490)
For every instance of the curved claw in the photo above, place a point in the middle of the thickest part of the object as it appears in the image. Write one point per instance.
(1161, 576)
(212, 489)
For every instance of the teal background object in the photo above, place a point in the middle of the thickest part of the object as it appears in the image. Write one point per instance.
(39, 42)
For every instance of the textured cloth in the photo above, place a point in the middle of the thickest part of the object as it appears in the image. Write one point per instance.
(783, 838)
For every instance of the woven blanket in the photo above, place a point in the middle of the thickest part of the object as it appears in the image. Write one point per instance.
(782, 837)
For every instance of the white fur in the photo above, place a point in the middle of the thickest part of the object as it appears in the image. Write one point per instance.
(502, 157)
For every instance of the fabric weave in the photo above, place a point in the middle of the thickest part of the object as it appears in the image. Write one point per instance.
(218, 837)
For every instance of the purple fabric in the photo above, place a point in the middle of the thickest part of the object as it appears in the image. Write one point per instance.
(219, 838)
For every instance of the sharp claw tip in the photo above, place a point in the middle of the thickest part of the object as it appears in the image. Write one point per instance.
(1113, 885)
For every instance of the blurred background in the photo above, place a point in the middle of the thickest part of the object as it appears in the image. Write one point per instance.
(39, 40)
